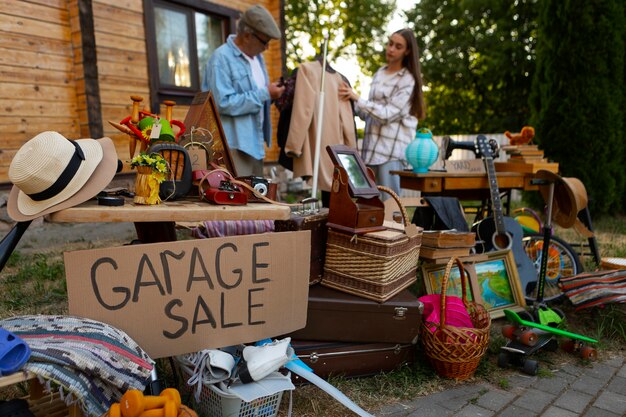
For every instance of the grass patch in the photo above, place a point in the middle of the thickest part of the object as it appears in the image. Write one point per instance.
(504, 383)
(33, 285)
(544, 372)
(612, 323)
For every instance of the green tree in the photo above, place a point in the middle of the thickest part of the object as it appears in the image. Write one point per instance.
(353, 27)
(478, 61)
(578, 95)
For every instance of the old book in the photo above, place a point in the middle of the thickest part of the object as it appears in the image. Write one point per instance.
(526, 167)
(527, 159)
(519, 148)
(428, 252)
(448, 239)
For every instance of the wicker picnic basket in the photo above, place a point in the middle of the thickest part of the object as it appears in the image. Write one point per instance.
(370, 266)
(455, 352)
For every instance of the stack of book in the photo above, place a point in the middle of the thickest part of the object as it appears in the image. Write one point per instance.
(439, 244)
(525, 158)
(524, 154)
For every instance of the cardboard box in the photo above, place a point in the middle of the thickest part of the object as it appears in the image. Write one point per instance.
(179, 297)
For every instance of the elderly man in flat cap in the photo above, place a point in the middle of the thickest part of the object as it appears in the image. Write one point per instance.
(237, 77)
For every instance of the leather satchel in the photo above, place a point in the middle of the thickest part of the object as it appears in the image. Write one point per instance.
(216, 186)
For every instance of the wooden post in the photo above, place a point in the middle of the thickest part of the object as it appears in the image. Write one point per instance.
(169, 106)
(134, 117)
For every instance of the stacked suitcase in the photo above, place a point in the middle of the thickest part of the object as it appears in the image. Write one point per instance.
(346, 334)
(352, 336)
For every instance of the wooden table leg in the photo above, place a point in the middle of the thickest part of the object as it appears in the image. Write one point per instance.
(153, 232)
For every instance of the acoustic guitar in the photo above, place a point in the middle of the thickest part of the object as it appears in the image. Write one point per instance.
(500, 232)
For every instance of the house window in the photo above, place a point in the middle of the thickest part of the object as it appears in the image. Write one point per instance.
(181, 35)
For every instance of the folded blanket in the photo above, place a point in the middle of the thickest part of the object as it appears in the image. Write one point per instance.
(221, 228)
(595, 288)
(92, 362)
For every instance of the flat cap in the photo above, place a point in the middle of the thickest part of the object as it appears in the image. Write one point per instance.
(258, 18)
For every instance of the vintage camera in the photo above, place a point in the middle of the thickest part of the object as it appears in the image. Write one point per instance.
(262, 186)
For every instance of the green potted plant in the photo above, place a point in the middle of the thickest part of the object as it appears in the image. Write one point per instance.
(152, 170)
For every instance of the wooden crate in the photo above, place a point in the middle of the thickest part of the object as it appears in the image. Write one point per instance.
(40, 403)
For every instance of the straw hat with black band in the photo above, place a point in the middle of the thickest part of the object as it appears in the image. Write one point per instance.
(570, 197)
(51, 173)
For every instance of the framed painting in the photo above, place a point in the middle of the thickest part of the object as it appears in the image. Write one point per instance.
(497, 283)
(205, 134)
(433, 277)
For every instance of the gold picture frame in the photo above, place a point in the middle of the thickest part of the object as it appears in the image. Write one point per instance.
(433, 275)
(493, 282)
(497, 283)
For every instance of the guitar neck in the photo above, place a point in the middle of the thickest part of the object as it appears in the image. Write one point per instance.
(496, 203)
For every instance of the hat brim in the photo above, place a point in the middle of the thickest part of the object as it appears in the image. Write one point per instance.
(567, 202)
(100, 177)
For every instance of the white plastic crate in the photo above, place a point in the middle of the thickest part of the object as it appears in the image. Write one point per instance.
(217, 403)
(213, 402)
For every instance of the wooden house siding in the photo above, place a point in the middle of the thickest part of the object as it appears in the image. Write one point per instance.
(37, 83)
(71, 66)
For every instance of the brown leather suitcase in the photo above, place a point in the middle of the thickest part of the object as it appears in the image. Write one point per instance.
(352, 359)
(336, 316)
(316, 223)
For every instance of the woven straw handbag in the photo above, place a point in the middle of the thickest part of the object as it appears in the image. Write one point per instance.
(455, 352)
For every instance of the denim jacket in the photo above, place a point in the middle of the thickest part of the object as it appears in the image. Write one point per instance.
(238, 99)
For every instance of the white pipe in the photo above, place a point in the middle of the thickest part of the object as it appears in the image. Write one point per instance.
(326, 387)
(320, 119)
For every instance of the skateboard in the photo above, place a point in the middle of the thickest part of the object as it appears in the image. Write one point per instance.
(517, 353)
(526, 338)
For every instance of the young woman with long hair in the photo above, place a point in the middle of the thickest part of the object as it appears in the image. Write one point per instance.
(392, 111)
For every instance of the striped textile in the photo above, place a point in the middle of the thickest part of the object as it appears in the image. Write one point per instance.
(93, 363)
(221, 228)
(591, 289)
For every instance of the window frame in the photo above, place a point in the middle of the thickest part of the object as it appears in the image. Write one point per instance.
(181, 95)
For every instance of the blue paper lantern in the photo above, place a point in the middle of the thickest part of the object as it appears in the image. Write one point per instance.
(423, 151)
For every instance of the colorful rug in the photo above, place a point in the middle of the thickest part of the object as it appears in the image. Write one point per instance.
(92, 363)
(596, 288)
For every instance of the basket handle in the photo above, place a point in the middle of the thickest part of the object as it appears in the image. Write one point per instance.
(444, 287)
(405, 216)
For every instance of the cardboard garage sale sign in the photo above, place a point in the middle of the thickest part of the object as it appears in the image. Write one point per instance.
(179, 297)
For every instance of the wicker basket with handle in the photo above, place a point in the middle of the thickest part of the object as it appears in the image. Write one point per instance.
(369, 265)
(455, 352)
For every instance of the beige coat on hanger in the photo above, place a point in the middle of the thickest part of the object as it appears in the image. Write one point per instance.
(337, 124)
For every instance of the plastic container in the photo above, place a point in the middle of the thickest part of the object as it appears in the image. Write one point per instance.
(213, 402)
(216, 403)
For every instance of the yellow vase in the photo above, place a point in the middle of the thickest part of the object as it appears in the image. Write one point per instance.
(146, 187)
